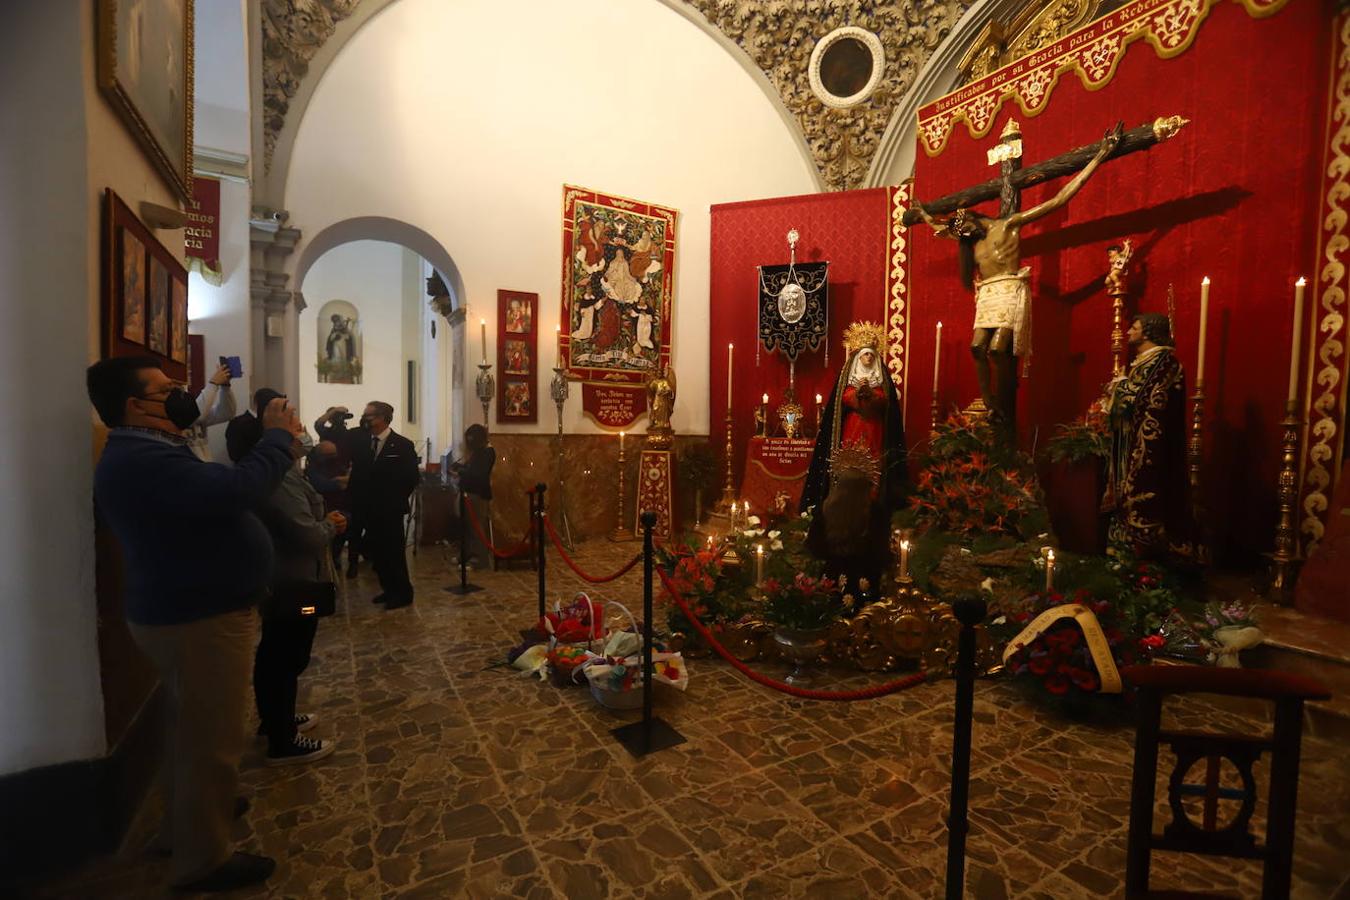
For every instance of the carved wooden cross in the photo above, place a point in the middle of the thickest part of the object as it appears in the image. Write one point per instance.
(1013, 179)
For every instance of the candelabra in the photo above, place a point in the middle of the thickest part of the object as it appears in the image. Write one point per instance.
(933, 417)
(1285, 557)
(728, 492)
(486, 386)
(620, 532)
(558, 390)
(1195, 448)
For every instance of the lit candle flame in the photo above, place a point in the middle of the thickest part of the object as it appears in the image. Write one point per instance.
(1301, 281)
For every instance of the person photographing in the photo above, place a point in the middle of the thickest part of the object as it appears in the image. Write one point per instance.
(197, 561)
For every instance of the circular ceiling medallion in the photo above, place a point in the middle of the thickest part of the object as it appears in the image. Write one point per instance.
(846, 66)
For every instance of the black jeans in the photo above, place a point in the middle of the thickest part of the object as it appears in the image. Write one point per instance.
(283, 653)
(383, 545)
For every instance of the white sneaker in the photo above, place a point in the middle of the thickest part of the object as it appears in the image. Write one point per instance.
(302, 751)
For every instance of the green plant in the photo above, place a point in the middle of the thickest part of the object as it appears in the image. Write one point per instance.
(1088, 437)
(697, 468)
(804, 603)
(969, 485)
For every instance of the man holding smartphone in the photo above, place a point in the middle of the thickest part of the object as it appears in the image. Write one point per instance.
(191, 592)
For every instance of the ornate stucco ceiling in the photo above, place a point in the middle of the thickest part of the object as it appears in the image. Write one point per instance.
(777, 36)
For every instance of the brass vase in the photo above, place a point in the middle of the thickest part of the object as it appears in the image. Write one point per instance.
(801, 647)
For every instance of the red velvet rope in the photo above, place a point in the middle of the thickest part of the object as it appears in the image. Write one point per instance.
(562, 551)
(869, 693)
(518, 550)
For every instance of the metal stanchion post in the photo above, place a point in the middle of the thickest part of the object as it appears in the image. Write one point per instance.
(540, 538)
(970, 611)
(649, 734)
(463, 587)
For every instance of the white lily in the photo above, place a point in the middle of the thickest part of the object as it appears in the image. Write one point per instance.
(752, 520)
(987, 585)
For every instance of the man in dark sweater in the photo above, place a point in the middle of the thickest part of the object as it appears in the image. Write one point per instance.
(196, 562)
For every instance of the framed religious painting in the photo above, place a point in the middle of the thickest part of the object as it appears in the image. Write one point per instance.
(517, 357)
(178, 321)
(617, 294)
(145, 70)
(144, 292)
(157, 310)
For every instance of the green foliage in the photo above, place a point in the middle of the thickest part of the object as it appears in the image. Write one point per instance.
(803, 602)
(1084, 439)
(969, 485)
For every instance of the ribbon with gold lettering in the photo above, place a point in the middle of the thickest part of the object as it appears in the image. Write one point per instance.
(1095, 639)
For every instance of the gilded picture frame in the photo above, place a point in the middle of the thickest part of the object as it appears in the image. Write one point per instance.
(145, 69)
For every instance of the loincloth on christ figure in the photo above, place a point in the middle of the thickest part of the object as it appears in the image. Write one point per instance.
(1004, 301)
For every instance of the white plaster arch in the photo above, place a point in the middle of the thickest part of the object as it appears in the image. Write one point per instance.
(270, 180)
(379, 228)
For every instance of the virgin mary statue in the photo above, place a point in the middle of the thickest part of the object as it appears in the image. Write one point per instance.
(862, 418)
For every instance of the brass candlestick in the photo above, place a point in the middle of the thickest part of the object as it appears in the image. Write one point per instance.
(1195, 449)
(728, 492)
(1285, 558)
(486, 386)
(621, 533)
(933, 417)
(1117, 286)
(558, 389)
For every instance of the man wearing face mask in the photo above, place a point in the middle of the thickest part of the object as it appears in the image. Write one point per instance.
(197, 561)
(384, 475)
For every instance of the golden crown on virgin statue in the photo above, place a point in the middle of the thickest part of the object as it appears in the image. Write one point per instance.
(864, 334)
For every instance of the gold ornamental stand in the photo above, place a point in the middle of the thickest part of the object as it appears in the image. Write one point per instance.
(1195, 452)
(1285, 559)
(728, 490)
(620, 533)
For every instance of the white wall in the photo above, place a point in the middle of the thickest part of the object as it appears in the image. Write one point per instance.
(469, 128)
(370, 275)
(221, 314)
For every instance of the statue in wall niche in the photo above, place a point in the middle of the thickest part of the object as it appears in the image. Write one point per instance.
(660, 406)
(1146, 492)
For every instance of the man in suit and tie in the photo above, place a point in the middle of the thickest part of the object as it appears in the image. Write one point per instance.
(384, 475)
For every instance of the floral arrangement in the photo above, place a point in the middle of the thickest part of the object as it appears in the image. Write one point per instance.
(804, 602)
(968, 486)
(1088, 437)
(1058, 663)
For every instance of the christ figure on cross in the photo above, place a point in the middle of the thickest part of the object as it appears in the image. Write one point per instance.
(990, 253)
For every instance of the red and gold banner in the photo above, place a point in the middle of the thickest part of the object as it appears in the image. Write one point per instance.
(613, 407)
(1093, 52)
(1325, 388)
(655, 492)
(201, 237)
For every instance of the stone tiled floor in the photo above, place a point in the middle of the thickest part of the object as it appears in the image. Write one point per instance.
(456, 779)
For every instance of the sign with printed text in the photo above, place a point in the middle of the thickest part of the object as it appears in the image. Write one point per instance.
(613, 406)
(201, 237)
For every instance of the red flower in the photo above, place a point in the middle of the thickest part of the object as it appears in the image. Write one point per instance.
(1057, 684)
(1040, 665)
(1152, 642)
(1083, 679)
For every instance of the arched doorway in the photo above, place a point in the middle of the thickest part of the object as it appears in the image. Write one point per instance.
(382, 320)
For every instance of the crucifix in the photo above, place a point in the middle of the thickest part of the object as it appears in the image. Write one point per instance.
(990, 249)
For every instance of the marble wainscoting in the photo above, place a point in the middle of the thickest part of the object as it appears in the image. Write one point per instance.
(590, 466)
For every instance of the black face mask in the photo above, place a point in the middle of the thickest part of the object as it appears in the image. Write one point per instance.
(179, 408)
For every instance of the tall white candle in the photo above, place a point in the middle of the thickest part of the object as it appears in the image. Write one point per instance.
(1049, 570)
(759, 564)
(730, 347)
(1298, 338)
(937, 356)
(1204, 327)
(557, 346)
(904, 559)
(621, 442)
(482, 326)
